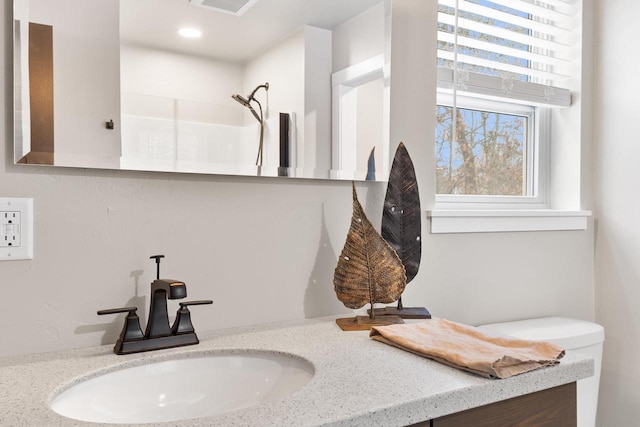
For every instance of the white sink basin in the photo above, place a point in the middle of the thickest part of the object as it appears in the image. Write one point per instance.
(181, 389)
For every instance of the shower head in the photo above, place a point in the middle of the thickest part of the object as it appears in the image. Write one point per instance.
(247, 103)
(241, 100)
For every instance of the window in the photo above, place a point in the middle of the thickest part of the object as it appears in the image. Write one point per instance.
(492, 151)
(499, 63)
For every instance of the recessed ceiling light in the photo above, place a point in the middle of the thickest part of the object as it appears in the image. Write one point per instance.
(190, 33)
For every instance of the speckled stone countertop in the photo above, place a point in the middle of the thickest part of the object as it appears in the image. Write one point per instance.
(357, 381)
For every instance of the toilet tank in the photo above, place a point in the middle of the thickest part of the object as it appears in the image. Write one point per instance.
(571, 334)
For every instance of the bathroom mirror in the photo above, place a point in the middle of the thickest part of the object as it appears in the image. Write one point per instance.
(296, 88)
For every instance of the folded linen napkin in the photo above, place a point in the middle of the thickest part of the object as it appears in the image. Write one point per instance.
(469, 348)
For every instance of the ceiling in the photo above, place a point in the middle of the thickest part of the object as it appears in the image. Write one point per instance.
(155, 23)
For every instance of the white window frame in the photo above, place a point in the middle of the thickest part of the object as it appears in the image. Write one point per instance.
(476, 214)
(536, 157)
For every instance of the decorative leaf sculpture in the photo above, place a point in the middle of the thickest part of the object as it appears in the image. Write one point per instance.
(369, 270)
(401, 222)
(371, 166)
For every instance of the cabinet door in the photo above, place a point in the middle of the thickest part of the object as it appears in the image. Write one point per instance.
(555, 407)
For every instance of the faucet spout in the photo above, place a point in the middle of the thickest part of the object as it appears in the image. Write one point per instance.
(174, 289)
(161, 290)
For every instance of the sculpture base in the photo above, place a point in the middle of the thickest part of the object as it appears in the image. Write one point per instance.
(364, 323)
(405, 313)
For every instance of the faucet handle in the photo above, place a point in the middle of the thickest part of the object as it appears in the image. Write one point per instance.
(117, 310)
(198, 302)
(182, 324)
(131, 330)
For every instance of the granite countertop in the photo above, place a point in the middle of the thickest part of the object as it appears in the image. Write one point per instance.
(357, 381)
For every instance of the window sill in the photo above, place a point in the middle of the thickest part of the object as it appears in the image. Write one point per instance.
(488, 221)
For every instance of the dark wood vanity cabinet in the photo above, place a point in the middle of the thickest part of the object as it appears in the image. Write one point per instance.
(554, 407)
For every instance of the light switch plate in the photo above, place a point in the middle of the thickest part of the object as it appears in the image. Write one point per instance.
(16, 229)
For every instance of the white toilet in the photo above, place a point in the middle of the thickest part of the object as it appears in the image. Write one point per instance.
(571, 334)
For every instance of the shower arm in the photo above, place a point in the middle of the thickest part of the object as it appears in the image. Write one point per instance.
(265, 86)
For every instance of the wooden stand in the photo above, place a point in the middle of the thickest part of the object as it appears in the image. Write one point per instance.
(405, 313)
(364, 323)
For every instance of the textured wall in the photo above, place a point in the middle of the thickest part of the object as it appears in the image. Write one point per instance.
(262, 249)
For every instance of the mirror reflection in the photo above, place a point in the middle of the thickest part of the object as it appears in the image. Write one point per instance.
(294, 88)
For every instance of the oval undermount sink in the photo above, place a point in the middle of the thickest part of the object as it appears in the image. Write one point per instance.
(181, 389)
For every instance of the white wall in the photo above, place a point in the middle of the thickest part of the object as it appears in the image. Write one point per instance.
(262, 249)
(174, 75)
(317, 99)
(618, 208)
(359, 38)
(370, 124)
(152, 80)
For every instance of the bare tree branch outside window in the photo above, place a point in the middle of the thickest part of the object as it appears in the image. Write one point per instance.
(487, 157)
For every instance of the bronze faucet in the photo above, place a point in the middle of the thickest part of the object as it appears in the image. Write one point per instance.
(159, 334)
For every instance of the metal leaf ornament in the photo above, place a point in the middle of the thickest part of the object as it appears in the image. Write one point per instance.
(371, 166)
(401, 222)
(369, 270)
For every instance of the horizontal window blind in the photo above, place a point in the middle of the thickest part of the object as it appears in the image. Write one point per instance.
(522, 50)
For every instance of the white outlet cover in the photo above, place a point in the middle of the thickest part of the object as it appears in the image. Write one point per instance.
(16, 229)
